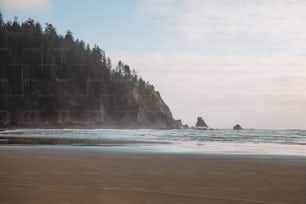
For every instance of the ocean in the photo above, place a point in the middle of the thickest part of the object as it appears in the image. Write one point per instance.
(218, 141)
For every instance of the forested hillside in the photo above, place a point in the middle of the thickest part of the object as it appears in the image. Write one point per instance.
(50, 80)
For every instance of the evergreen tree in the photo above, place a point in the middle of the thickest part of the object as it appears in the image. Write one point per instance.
(38, 66)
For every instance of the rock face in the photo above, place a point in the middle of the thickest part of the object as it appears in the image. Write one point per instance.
(237, 127)
(179, 124)
(134, 108)
(201, 123)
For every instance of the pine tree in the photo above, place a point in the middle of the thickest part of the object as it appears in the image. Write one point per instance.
(53, 64)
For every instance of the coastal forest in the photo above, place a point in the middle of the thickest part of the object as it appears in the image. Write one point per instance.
(52, 80)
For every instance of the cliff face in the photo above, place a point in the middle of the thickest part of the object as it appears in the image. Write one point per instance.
(62, 106)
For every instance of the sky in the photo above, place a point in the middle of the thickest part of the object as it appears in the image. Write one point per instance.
(229, 61)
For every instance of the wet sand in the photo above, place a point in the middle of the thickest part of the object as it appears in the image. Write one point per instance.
(27, 140)
(80, 175)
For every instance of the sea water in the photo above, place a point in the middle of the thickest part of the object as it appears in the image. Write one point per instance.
(221, 141)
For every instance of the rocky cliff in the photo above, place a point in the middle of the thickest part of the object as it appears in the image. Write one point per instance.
(134, 108)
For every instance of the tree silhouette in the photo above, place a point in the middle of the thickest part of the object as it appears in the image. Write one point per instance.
(46, 73)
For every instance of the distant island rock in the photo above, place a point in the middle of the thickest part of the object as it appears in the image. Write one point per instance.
(201, 123)
(237, 127)
(50, 80)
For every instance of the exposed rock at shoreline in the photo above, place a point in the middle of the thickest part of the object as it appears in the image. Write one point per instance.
(237, 127)
(201, 123)
(178, 124)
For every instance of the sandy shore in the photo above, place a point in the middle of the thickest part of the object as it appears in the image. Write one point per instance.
(80, 175)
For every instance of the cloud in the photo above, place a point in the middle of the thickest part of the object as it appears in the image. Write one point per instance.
(26, 4)
(278, 25)
(196, 18)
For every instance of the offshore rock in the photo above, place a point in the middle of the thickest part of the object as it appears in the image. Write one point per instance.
(237, 127)
(201, 123)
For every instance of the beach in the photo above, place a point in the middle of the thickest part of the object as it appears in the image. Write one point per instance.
(49, 174)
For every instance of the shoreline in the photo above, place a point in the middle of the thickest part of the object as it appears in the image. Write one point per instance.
(29, 140)
(143, 145)
(138, 150)
(87, 126)
(77, 175)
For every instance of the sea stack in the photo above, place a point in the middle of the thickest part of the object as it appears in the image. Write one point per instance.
(201, 123)
(237, 127)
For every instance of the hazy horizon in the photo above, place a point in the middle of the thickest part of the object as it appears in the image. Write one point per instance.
(229, 61)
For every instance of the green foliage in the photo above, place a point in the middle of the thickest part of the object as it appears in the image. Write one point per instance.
(40, 69)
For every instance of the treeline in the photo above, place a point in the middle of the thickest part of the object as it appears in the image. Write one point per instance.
(43, 71)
